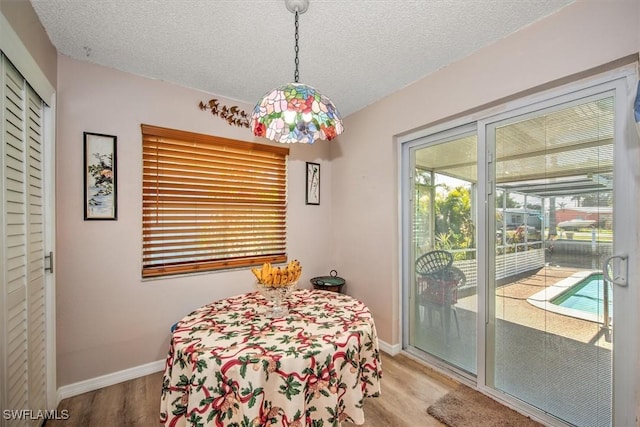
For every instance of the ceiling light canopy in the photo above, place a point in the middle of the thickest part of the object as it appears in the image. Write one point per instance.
(296, 112)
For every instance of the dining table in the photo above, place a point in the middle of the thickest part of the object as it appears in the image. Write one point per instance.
(230, 364)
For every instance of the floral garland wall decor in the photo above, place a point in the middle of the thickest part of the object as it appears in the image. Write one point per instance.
(233, 115)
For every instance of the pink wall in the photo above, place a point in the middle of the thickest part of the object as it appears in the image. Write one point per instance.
(108, 319)
(582, 36)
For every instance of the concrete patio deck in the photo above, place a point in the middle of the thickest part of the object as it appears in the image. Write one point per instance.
(557, 363)
(512, 306)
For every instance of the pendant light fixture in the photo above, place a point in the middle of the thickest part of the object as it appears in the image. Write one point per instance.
(296, 112)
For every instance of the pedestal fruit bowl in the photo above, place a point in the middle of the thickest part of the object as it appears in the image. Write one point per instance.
(276, 284)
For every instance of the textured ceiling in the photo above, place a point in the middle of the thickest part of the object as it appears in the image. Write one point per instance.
(354, 51)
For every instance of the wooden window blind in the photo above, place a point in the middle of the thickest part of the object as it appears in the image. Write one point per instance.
(210, 203)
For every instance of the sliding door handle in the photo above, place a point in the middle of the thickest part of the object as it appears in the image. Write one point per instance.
(48, 259)
(620, 273)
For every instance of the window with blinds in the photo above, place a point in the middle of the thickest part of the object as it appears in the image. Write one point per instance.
(210, 203)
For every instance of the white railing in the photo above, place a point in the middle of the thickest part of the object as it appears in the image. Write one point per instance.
(513, 263)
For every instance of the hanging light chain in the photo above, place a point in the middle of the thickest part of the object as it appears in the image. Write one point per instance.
(296, 74)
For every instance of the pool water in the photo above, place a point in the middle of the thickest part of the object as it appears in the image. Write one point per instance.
(586, 295)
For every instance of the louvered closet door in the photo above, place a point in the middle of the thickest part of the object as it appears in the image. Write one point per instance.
(35, 254)
(22, 251)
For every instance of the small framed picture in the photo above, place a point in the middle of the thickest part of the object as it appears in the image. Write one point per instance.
(313, 184)
(100, 178)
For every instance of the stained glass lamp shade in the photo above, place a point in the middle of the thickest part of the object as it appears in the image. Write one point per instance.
(296, 112)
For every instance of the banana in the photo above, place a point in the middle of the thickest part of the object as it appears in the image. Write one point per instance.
(278, 276)
(266, 270)
(255, 272)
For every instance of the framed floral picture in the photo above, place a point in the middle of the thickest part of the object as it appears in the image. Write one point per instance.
(313, 184)
(100, 178)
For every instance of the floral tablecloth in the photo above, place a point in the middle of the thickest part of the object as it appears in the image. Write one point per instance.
(230, 365)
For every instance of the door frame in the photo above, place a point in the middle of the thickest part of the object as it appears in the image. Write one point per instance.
(627, 164)
(49, 175)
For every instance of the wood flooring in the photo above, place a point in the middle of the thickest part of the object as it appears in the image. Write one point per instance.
(127, 404)
(408, 388)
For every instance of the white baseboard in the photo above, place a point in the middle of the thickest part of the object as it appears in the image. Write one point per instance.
(389, 349)
(109, 379)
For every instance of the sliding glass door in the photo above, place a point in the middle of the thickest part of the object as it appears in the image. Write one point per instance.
(443, 266)
(551, 317)
(516, 235)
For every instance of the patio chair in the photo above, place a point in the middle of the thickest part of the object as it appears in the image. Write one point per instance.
(438, 284)
(434, 263)
(441, 295)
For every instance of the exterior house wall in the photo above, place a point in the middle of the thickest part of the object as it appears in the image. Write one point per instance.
(601, 218)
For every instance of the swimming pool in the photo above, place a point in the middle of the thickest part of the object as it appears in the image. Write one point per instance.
(586, 295)
(580, 295)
